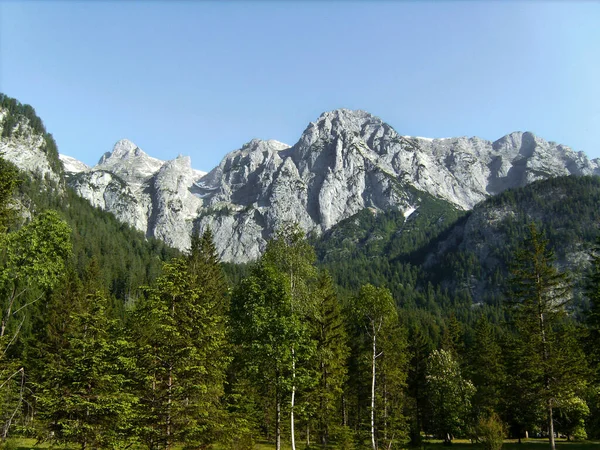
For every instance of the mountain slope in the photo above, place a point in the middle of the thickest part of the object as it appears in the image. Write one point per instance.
(151, 195)
(473, 257)
(123, 257)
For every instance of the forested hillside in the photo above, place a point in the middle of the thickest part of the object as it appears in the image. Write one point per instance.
(385, 330)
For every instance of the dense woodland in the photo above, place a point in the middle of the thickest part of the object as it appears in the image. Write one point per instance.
(109, 339)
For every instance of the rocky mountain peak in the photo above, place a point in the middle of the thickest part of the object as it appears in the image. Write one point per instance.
(123, 149)
(342, 121)
(261, 145)
(129, 161)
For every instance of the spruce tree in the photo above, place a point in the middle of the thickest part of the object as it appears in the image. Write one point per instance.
(545, 370)
(180, 331)
(419, 348)
(83, 390)
(486, 369)
(332, 351)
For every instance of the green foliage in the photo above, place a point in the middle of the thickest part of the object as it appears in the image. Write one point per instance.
(491, 431)
(179, 328)
(330, 361)
(36, 254)
(449, 394)
(592, 318)
(379, 353)
(82, 393)
(571, 415)
(9, 179)
(419, 348)
(126, 259)
(263, 330)
(486, 369)
(547, 364)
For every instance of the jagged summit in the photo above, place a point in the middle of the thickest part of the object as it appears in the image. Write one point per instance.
(258, 144)
(129, 161)
(341, 121)
(344, 114)
(123, 149)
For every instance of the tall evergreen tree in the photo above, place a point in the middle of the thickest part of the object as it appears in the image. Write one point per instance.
(420, 347)
(486, 369)
(83, 391)
(181, 337)
(332, 351)
(538, 295)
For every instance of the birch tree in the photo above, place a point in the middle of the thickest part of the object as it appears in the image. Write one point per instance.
(292, 255)
(374, 310)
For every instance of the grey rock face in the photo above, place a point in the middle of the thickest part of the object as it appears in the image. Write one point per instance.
(26, 149)
(344, 162)
(149, 194)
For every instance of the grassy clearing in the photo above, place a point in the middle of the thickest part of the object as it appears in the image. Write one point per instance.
(529, 444)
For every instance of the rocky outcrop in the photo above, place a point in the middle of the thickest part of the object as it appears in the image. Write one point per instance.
(26, 149)
(151, 195)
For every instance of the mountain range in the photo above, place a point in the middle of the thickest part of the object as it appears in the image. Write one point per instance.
(344, 163)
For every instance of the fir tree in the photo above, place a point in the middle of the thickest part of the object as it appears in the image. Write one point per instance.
(486, 368)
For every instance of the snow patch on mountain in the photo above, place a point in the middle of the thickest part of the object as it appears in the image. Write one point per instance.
(72, 165)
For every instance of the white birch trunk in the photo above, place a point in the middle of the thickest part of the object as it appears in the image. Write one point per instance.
(373, 443)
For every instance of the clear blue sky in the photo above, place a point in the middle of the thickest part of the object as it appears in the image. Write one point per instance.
(201, 78)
